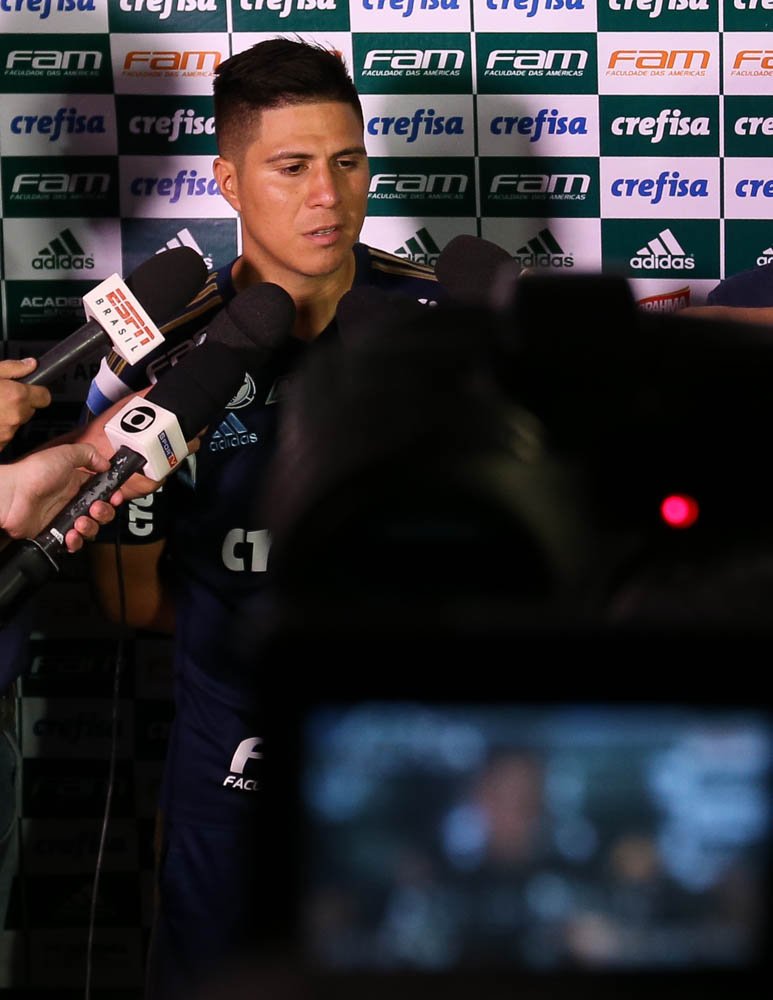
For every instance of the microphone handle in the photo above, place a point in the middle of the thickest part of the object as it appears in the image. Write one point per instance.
(27, 564)
(89, 341)
(27, 569)
(124, 463)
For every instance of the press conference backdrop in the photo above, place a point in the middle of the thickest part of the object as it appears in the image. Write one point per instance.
(632, 136)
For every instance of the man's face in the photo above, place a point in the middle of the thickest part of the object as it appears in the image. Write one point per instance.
(301, 188)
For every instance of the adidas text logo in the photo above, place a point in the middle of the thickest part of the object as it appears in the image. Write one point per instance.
(63, 253)
(231, 434)
(665, 252)
(420, 248)
(543, 250)
(766, 257)
(185, 238)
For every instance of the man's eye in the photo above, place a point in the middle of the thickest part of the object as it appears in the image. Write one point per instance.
(292, 169)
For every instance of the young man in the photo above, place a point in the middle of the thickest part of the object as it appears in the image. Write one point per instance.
(293, 164)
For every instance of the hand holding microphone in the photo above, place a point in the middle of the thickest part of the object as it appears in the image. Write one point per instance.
(34, 488)
(157, 425)
(18, 402)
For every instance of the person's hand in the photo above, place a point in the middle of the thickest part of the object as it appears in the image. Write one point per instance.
(34, 489)
(18, 401)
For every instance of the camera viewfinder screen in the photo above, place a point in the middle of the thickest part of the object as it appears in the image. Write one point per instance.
(545, 838)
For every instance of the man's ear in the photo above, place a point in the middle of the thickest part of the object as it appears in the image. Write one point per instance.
(228, 181)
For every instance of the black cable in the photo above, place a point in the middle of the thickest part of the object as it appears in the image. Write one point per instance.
(119, 663)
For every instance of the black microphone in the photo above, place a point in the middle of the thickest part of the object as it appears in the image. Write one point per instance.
(162, 286)
(256, 324)
(151, 433)
(475, 271)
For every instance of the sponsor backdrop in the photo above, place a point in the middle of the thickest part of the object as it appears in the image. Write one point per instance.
(628, 136)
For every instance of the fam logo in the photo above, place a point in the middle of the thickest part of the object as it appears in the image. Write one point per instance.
(667, 63)
(87, 186)
(663, 252)
(670, 15)
(63, 121)
(538, 63)
(436, 186)
(756, 64)
(538, 186)
(643, 126)
(543, 250)
(421, 248)
(423, 122)
(63, 253)
(74, 63)
(413, 66)
(166, 64)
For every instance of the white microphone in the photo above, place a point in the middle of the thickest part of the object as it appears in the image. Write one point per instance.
(151, 435)
(125, 315)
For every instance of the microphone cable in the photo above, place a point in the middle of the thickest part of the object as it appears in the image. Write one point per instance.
(120, 659)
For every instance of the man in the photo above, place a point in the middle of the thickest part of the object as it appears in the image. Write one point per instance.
(292, 163)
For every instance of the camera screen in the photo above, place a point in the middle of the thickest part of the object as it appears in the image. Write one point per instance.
(442, 837)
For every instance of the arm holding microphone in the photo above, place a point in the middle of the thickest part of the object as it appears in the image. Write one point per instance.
(150, 436)
(34, 488)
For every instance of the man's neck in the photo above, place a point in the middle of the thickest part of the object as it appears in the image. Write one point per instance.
(316, 297)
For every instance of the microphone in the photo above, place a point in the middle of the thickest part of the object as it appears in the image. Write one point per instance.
(476, 271)
(150, 434)
(255, 324)
(123, 315)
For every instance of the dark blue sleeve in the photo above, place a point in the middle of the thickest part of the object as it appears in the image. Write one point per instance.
(751, 288)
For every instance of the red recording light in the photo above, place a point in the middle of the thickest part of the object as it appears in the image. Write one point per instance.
(679, 510)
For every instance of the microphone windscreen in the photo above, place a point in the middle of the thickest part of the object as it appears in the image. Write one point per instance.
(262, 316)
(468, 267)
(199, 386)
(167, 282)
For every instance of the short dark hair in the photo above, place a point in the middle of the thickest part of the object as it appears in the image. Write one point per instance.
(273, 74)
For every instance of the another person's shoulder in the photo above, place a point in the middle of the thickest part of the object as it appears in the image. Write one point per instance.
(397, 274)
(752, 287)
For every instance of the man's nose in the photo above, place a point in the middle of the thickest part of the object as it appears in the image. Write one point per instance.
(324, 186)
